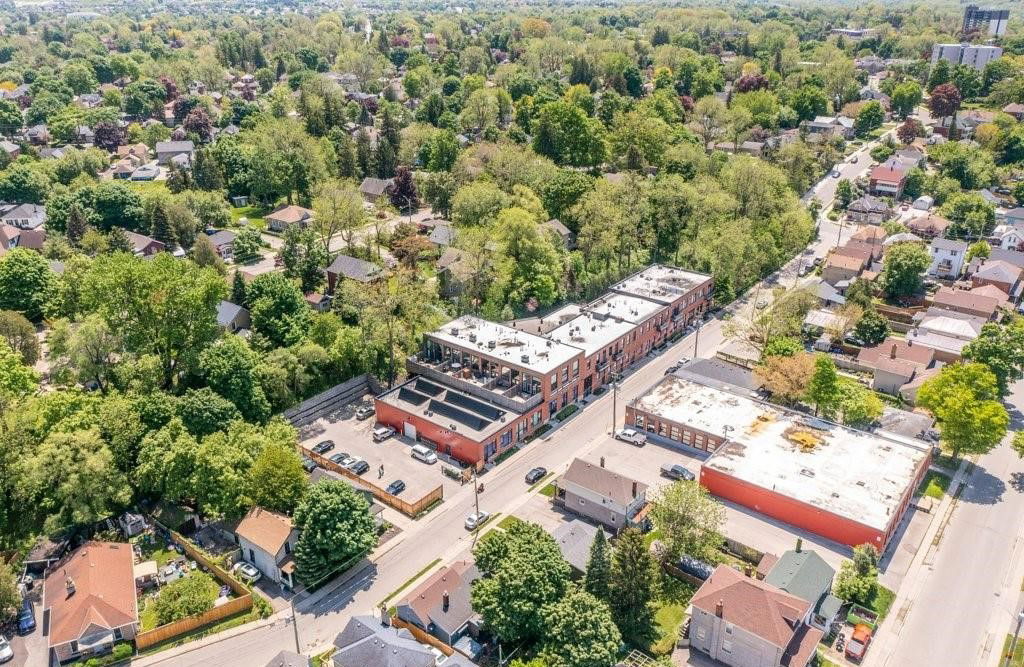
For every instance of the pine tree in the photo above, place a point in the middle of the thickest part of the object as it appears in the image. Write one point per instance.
(634, 158)
(206, 173)
(389, 129)
(364, 153)
(383, 45)
(404, 195)
(597, 579)
(118, 241)
(634, 584)
(386, 161)
(347, 167)
(77, 225)
(238, 289)
(160, 228)
(281, 69)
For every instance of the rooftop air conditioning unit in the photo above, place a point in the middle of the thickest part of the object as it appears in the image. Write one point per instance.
(525, 358)
(491, 344)
(472, 338)
(455, 331)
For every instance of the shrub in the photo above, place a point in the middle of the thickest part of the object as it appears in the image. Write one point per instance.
(567, 411)
(122, 651)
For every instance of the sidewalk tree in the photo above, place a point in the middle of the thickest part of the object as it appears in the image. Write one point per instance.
(580, 632)
(635, 584)
(909, 130)
(964, 398)
(523, 572)
(599, 568)
(335, 526)
(904, 263)
(857, 579)
(690, 521)
(869, 118)
(905, 97)
(844, 193)
(247, 246)
(945, 101)
(338, 210)
(823, 390)
(1000, 347)
(1018, 443)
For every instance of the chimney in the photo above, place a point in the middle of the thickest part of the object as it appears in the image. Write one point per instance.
(799, 544)
(385, 618)
(634, 489)
(602, 461)
(720, 608)
(892, 352)
(69, 583)
(445, 601)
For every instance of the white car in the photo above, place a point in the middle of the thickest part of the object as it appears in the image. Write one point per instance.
(382, 433)
(6, 652)
(476, 519)
(631, 435)
(247, 571)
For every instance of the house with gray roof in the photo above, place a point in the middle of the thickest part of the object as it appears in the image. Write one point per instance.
(807, 576)
(366, 641)
(351, 268)
(442, 235)
(441, 605)
(868, 209)
(595, 492)
(232, 317)
(288, 659)
(165, 150)
(23, 216)
(373, 189)
(564, 234)
(574, 540)
(223, 242)
(947, 258)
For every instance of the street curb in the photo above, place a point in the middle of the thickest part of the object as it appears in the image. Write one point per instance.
(185, 649)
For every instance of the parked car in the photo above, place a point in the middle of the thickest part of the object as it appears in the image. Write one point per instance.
(805, 269)
(424, 453)
(536, 475)
(395, 487)
(341, 458)
(382, 433)
(632, 436)
(364, 412)
(26, 618)
(6, 652)
(308, 464)
(247, 572)
(695, 567)
(677, 471)
(358, 466)
(835, 173)
(672, 369)
(857, 645)
(476, 519)
(323, 447)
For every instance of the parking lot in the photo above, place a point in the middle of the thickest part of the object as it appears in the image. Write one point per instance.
(354, 437)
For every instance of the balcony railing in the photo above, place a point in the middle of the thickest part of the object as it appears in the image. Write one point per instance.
(510, 398)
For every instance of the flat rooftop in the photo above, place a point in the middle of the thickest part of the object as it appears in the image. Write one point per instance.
(660, 283)
(448, 408)
(858, 475)
(625, 307)
(502, 342)
(591, 333)
(549, 322)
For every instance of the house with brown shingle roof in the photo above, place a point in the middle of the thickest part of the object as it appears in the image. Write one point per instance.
(285, 216)
(89, 601)
(841, 267)
(742, 621)
(928, 226)
(895, 362)
(441, 605)
(267, 540)
(593, 491)
(969, 302)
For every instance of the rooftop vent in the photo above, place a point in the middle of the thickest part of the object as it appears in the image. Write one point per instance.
(472, 338)
(525, 358)
(491, 344)
(454, 331)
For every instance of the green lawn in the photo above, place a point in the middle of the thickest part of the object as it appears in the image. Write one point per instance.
(240, 618)
(881, 602)
(934, 485)
(323, 660)
(825, 662)
(508, 522)
(1018, 652)
(669, 614)
(146, 187)
(651, 536)
(411, 579)
(548, 490)
(540, 481)
(254, 214)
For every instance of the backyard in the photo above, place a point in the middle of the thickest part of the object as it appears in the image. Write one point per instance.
(149, 602)
(669, 614)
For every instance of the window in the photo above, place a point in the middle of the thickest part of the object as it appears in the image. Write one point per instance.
(117, 634)
(565, 375)
(535, 419)
(521, 430)
(639, 420)
(674, 433)
(726, 646)
(252, 556)
(702, 633)
(490, 448)
(728, 628)
(506, 438)
(287, 547)
(583, 502)
(575, 368)
(661, 429)
(554, 380)
(552, 408)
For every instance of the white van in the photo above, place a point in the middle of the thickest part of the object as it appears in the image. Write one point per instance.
(425, 454)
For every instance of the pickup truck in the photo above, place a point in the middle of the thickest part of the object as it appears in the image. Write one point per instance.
(631, 435)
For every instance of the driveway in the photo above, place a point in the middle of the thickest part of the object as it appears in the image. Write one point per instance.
(31, 650)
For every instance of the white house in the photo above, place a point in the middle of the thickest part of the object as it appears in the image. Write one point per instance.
(267, 540)
(947, 258)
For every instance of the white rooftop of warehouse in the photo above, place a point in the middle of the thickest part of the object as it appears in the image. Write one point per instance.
(661, 283)
(624, 306)
(851, 473)
(517, 348)
(591, 333)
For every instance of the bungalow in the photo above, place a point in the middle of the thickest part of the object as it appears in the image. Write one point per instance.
(806, 575)
(84, 135)
(369, 640)
(23, 216)
(740, 621)
(1015, 109)
(223, 242)
(441, 605)
(911, 156)
(267, 540)
(285, 216)
(285, 658)
(320, 303)
(10, 149)
(453, 270)
(831, 125)
(38, 135)
(352, 268)
(232, 317)
(947, 258)
(10, 237)
(147, 172)
(165, 150)
(593, 491)
(442, 234)
(868, 209)
(894, 363)
(22, 95)
(373, 189)
(144, 246)
(1015, 216)
(89, 601)
(887, 181)
(574, 539)
(968, 302)
(841, 267)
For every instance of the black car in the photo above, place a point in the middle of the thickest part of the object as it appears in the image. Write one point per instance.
(395, 487)
(339, 458)
(536, 475)
(323, 447)
(308, 464)
(364, 412)
(359, 467)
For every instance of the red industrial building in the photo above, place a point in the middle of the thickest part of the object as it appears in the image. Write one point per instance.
(846, 485)
(480, 387)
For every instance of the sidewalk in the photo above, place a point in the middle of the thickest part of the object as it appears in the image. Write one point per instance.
(920, 569)
(170, 655)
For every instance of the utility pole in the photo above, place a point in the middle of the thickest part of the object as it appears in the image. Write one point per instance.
(615, 401)
(696, 336)
(1013, 644)
(476, 492)
(295, 625)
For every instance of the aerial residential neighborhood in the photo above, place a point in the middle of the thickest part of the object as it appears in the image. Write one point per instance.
(393, 334)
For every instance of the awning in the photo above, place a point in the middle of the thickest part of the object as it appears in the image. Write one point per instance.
(146, 568)
(288, 565)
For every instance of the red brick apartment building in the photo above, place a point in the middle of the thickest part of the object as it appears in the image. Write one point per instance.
(479, 387)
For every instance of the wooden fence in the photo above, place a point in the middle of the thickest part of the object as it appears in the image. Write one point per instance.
(423, 637)
(412, 509)
(170, 630)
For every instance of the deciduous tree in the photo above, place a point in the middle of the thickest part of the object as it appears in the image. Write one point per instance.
(690, 521)
(964, 400)
(580, 632)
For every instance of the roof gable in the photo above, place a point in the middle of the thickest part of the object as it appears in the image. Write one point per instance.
(803, 574)
(604, 482)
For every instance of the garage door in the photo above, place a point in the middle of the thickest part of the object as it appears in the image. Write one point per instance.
(410, 431)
